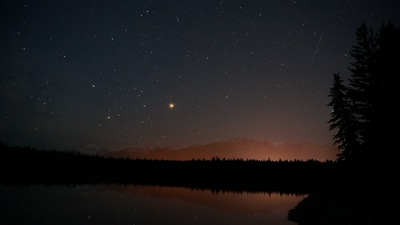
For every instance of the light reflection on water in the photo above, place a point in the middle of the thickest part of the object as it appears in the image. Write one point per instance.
(117, 204)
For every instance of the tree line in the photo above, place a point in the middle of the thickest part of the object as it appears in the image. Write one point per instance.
(25, 166)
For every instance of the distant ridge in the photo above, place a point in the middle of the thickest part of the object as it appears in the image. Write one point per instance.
(239, 148)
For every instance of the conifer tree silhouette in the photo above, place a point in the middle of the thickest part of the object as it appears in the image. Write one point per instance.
(343, 120)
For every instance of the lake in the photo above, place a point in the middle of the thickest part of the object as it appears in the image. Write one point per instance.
(133, 204)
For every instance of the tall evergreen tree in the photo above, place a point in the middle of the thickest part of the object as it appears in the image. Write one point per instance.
(372, 87)
(361, 83)
(343, 121)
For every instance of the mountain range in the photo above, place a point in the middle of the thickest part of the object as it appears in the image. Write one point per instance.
(240, 148)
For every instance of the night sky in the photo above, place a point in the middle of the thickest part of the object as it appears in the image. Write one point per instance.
(114, 74)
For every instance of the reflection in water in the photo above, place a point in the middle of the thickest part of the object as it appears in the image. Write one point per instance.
(115, 204)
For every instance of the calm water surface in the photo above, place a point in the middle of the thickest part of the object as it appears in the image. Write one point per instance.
(117, 204)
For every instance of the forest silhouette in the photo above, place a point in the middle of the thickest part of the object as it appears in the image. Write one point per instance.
(364, 117)
(24, 166)
(364, 112)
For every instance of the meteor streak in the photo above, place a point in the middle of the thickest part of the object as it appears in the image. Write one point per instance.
(316, 48)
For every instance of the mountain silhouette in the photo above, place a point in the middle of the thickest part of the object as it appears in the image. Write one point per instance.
(240, 148)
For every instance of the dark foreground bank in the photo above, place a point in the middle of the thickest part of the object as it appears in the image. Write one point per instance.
(356, 204)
